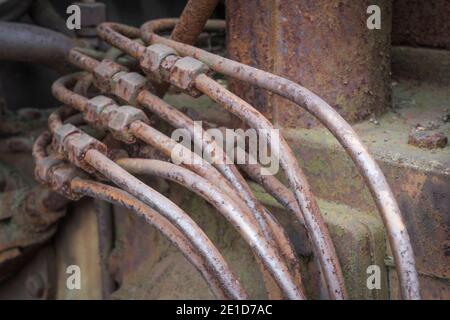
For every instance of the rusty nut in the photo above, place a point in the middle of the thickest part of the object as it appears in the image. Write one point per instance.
(61, 134)
(91, 13)
(75, 147)
(127, 86)
(152, 58)
(184, 72)
(61, 177)
(44, 167)
(95, 107)
(120, 121)
(104, 73)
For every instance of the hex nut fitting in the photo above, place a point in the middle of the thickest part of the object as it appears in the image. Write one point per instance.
(95, 107)
(61, 134)
(127, 86)
(184, 72)
(43, 169)
(152, 58)
(104, 73)
(74, 144)
(120, 121)
(61, 177)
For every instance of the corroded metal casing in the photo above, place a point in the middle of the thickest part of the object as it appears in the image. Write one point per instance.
(95, 107)
(104, 72)
(119, 122)
(325, 46)
(152, 58)
(184, 72)
(127, 86)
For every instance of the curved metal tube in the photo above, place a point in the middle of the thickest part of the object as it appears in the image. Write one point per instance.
(344, 133)
(41, 142)
(119, 197)
(28, 43)
(225, 205)
(174, 214)
(66, 96)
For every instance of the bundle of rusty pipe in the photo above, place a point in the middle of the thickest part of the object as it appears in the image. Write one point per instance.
(229, 203)
(397, 233)
(215, 155)
(168, 62)
(200, 251)
(344, 133)
(318, 232)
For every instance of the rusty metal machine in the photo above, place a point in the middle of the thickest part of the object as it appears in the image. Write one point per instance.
(103, 199)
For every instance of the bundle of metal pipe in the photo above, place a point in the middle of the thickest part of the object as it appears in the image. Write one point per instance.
(318, 232)
(216, 178)
(383, 196)
(397, 232)
(218, 158)
(238, 214)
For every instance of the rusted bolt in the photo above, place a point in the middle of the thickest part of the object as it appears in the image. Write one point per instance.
(61, 177)
(127, 86)
(184, 73)
(61, 134)
(35, 286)
(103, 74)
(153, 57)
(95, 107)
(427, 139)
(120, 121)
(74, 144)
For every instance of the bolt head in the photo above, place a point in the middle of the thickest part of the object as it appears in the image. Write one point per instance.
(120, 121)
(76, 146)
(184, 72)
(127, 86)
(152, 58)
(62, 175)
(61, 134)
(95, 107)
(104, 73)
